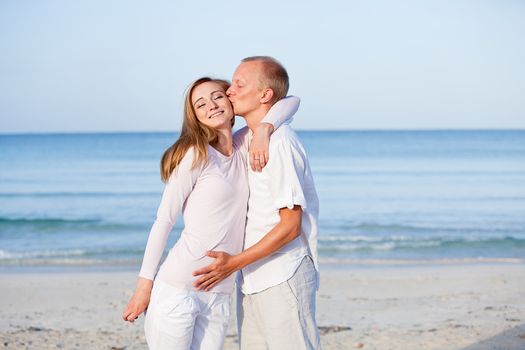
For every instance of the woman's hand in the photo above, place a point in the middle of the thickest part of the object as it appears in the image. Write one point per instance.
(139, 301)
(258, 149)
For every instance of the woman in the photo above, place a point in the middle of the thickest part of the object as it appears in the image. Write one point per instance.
(206, 179)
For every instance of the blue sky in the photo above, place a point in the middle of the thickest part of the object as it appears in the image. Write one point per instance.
(68, 66)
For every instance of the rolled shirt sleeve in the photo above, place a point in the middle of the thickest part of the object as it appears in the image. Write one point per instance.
(287, 180)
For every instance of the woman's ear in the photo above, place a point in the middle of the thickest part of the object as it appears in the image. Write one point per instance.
(267, 96)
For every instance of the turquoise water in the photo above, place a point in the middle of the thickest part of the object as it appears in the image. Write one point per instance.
(384, 195)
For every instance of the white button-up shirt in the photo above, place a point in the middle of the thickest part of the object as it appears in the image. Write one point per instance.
(286, 181)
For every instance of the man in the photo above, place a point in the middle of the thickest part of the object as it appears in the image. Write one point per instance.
(279, 272)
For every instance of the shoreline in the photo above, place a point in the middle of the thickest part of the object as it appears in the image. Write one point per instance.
(437, 307)
(325, 264)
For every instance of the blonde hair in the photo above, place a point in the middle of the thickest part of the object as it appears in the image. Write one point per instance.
(193, 134)
(274, 76)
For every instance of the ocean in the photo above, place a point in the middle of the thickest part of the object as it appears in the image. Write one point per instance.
(386, 197)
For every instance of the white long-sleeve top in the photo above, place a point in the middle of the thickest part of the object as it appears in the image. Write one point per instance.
(213, 199)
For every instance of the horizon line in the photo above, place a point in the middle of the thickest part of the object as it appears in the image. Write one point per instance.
(91, 132)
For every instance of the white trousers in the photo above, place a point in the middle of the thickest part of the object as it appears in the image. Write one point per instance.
(179, 319)
(283, 316)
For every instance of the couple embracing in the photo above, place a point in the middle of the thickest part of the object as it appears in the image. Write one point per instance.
(250, 213)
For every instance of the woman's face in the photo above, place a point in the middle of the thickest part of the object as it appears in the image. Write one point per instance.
(211, 105)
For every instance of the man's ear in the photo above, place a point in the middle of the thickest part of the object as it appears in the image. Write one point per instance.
(267, 96)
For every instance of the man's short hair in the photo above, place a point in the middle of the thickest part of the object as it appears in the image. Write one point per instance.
(274, 76)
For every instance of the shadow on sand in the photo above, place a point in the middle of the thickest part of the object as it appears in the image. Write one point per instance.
(511, 339)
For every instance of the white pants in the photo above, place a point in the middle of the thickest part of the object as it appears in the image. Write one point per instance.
(179, 319)
(283, 316)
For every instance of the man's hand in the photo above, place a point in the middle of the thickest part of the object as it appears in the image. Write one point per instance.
(139, 301)
(223, 266)
(259, 147)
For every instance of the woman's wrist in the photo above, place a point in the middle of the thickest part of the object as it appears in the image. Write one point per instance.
(144, 284)
(266, 128)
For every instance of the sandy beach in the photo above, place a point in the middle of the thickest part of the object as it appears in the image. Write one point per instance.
(459, 306)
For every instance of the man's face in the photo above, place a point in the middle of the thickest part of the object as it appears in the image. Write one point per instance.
(244, 93)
